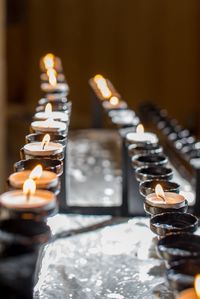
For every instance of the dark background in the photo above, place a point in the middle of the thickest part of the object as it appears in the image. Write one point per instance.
(149, 49)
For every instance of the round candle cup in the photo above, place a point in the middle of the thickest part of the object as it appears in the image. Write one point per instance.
(174, 222)
(38, 137)
(145, 173)
(59, 87)
(47, 181)
(141, 138)
(181, 274)
(124, 122)
(122, 113)
(39, 205)
(34, 149)
(179, 246)
(28, 233)
(107, 105)
(149, 160)
(47, 164)
(48, 127)
(148, 187)
(151, 149)
(174, 202)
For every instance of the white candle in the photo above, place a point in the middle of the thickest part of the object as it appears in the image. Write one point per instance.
(48, 125)
(48, 113)
(48, 179)
(36, 149)
(17, 200)
(141, 136)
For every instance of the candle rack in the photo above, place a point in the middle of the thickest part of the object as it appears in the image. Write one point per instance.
(181, 147)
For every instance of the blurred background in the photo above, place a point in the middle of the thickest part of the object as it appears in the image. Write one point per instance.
(150, 50)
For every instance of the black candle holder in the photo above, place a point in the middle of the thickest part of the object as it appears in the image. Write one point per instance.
(154, 210)
(174, 222)
(151, 149)
(149, 160)
(181, 274)
(153, 172)
(179, 246)
(148, 187)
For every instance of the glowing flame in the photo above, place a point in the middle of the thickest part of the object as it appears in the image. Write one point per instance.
(159, 191)
(197, 285)
(140, 129)
(48, 60)
(45, 141)
(29, 187)
(103, 86)
(52, 76)
(114, 101)
(36, 172)
(48, 110)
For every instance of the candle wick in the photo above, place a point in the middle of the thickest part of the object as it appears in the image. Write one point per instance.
(43, 147)
(162, 197)
(28, 195)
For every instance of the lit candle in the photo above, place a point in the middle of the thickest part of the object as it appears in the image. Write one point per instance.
(48, 113)
(114, 103)
(43, 178)
(165, 200)
(53, 85)
(27, 199)
(44, 148)
(50, 61)
(102, 86)
(192, 293)
(48, 125)
(141, 137)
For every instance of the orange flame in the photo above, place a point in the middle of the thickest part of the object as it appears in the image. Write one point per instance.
(51, 73)
(29, 187)
(114, 101)
(159, 191)
(103, 86)
(36, 172)
(48, 60)
(48, 109)
(45, 141)
(140, 129)
(197, 285)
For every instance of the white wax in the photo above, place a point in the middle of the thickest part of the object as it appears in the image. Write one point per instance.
(45, 126)
(187, 294)
(35, 149)
(47, 87)
(142, 137)
(48, 179)
(17, 200)
(108, 105)
(56, 115)
(172, 200)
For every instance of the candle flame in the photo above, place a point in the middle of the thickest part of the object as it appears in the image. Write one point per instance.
(140, 129)
(45, 141)
(197, 285)
(103, 86)
(29, 187)
(48, 110)
(36, 172)
(48, 60)
(114, 101)
(52, 76)
(159, 191)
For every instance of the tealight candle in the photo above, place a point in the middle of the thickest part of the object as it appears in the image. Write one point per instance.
(141, 137)
(44, 148)
(53, 85)
(28, 199)
(44, 179)
(192, 293)
(114, 103)
(60, 77)
(165, 200)
(48, 113)
(48, 125)
(102, 86)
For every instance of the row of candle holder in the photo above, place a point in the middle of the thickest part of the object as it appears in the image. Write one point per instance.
(177, 244)
(38, 180)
